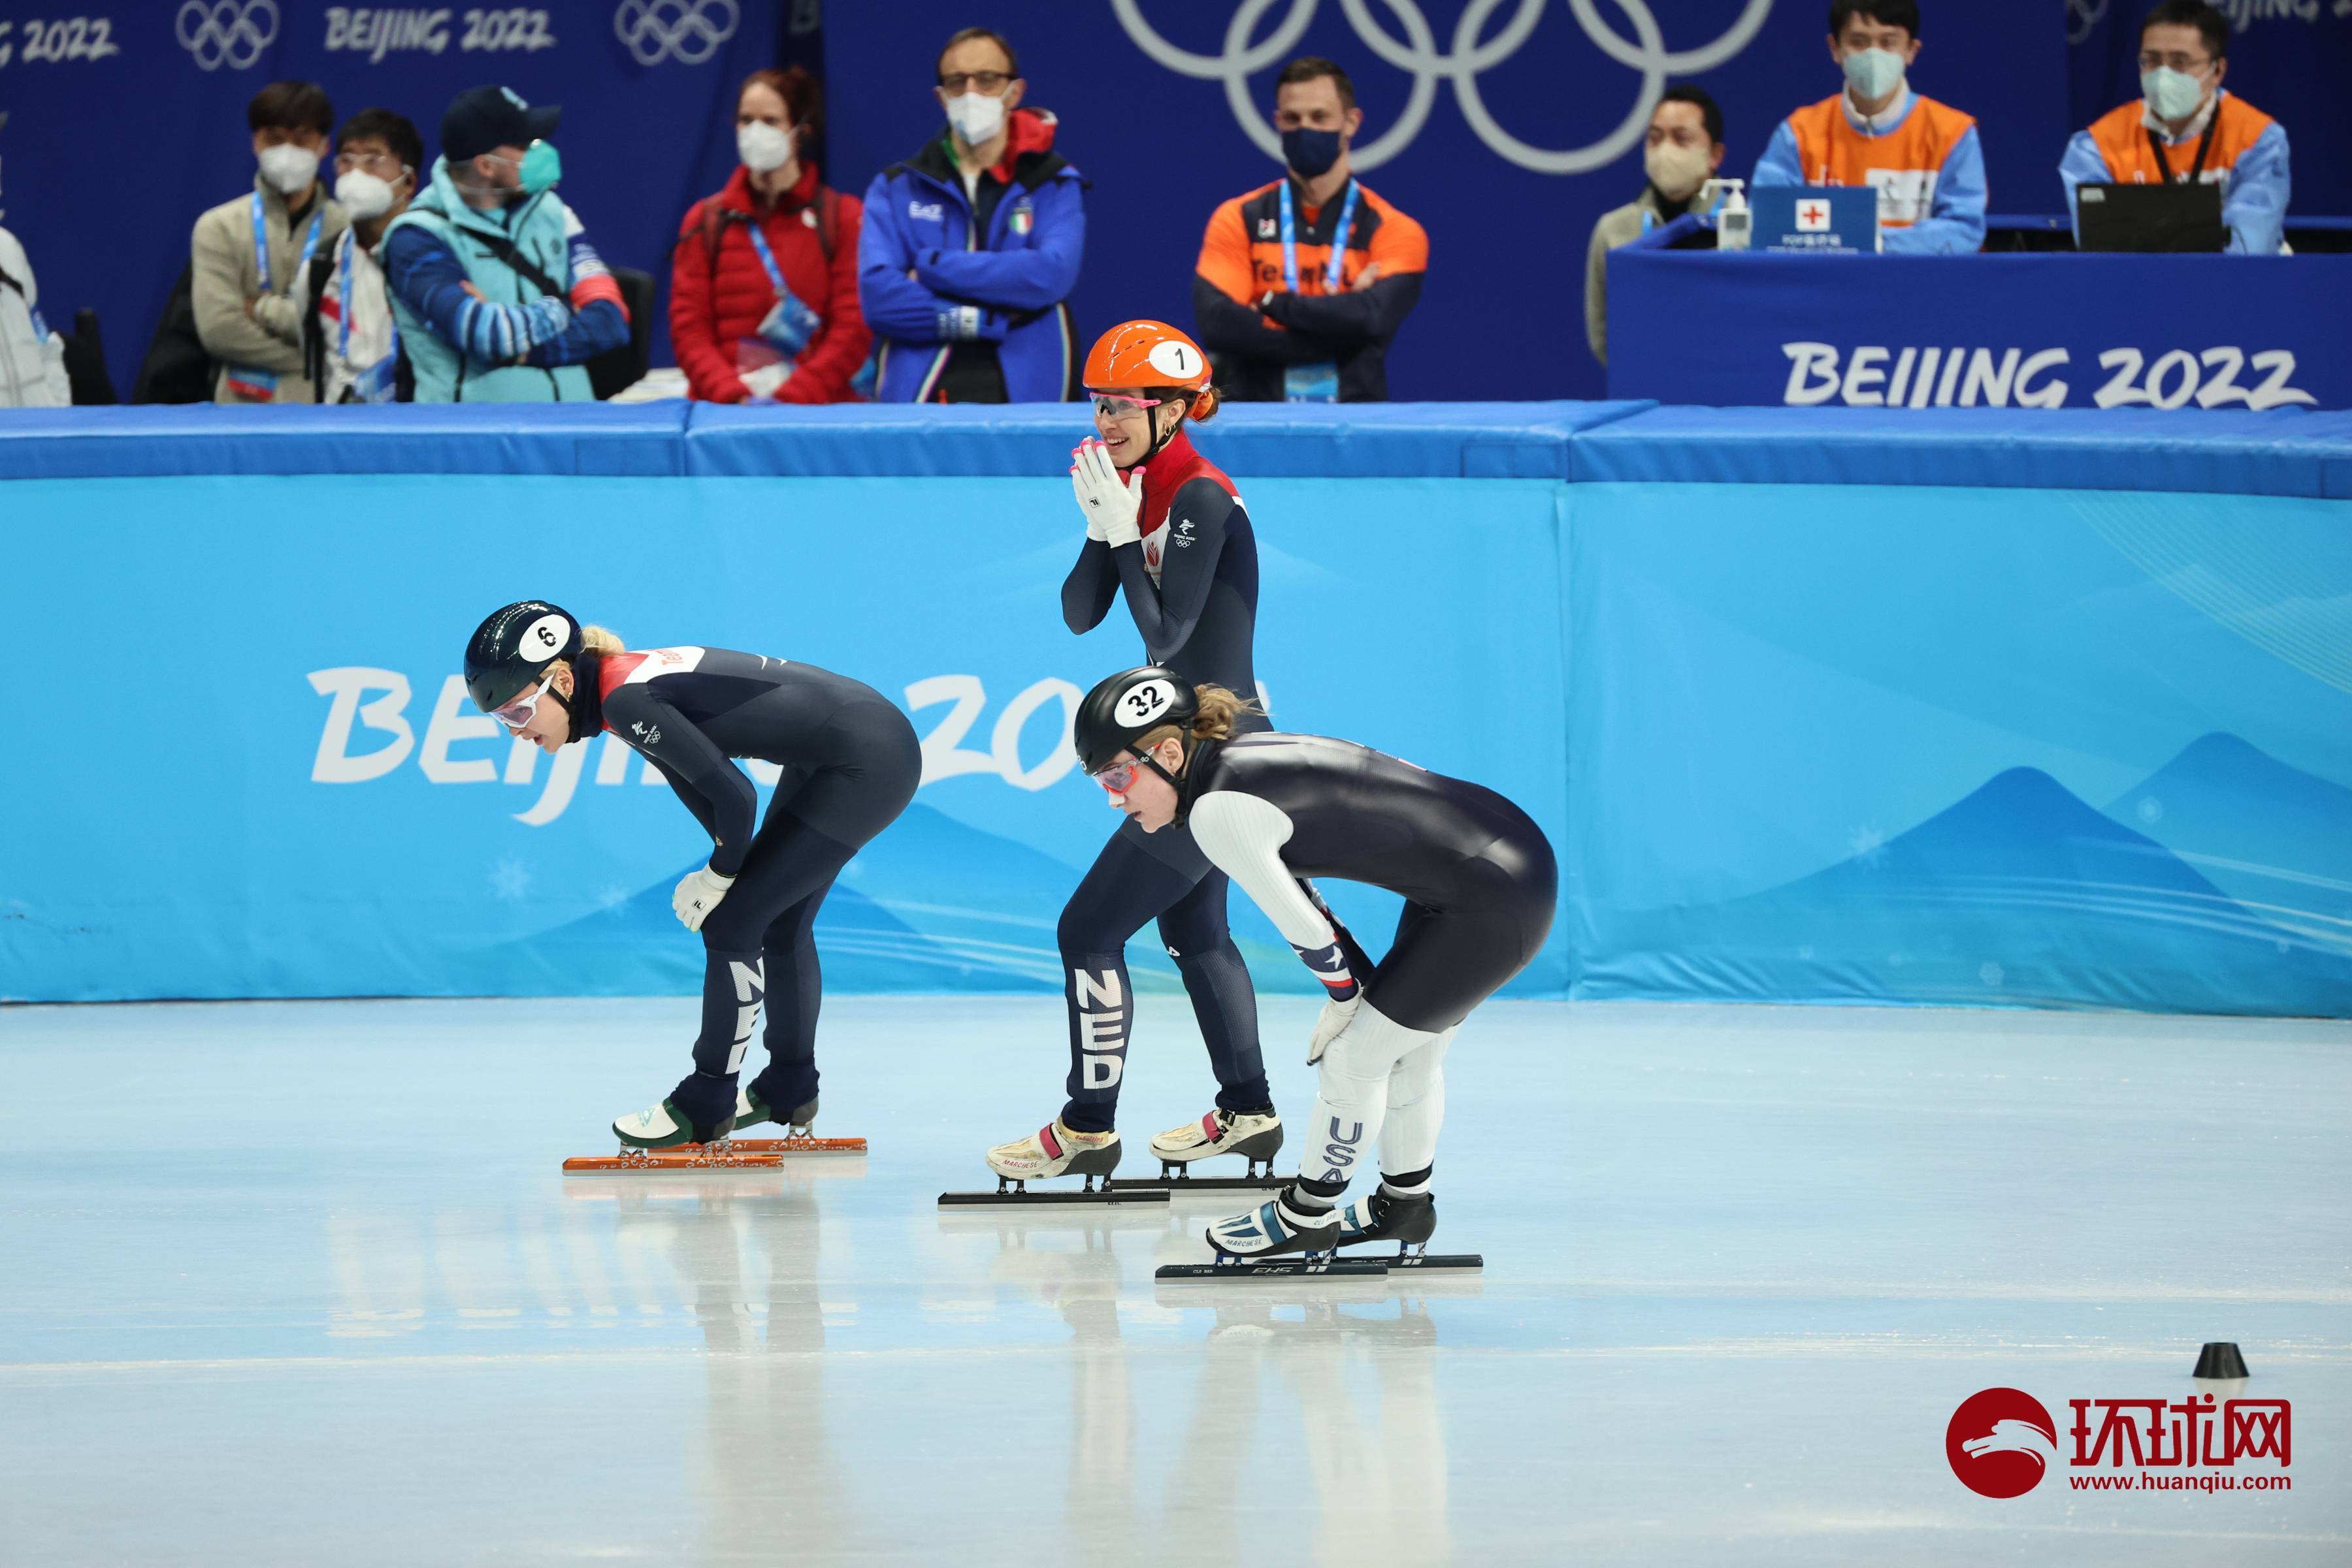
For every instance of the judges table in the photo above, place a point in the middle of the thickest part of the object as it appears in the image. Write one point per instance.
(2034, 330)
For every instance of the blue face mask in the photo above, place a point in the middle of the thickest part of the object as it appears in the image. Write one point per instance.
(1873, 72)
(1310, 152)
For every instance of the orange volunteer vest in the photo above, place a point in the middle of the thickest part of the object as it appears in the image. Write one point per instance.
(1901, 166)
(2122, 141)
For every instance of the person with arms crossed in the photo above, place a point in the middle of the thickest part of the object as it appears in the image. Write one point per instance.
(849, 763)
(1923, 158)
(499, 295)
(970, 247)
(2184, 127)
(1302, 284)
(248, 256)
(1271, 810)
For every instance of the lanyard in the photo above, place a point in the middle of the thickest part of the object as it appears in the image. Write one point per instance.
(1333, 263)
(261, 240)
(767, 257)
(343, 265)
(2204, 146)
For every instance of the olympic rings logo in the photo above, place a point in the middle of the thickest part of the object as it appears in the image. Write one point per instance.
(1471, 55)
(2083, 17)
(227, 32)
(687, 31)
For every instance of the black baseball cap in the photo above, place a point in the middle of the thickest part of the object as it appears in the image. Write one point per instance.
(483, 119)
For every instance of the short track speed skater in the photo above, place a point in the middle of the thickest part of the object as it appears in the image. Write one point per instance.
(1276, 1242)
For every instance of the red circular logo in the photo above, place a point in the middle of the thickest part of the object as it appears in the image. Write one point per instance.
(2002, 1442)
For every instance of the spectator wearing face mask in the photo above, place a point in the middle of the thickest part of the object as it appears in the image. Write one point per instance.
(970, 248)
(1303, 283)
(248, 255)
(1685, 146)
(498, 294)
(351, 344)
(764, 282)
(1922, 156)
(2183, 127)
(32, 357)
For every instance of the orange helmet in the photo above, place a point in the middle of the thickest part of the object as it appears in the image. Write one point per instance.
(1147, 353)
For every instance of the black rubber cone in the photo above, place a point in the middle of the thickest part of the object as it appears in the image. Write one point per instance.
(2220, 1359)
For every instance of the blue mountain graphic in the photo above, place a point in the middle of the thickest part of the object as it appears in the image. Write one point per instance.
(2272, 836)
(931, 904)
(2021, 893)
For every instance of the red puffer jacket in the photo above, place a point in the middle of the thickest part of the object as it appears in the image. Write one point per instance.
(714, 303)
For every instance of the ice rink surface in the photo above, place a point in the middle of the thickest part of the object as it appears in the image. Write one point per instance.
(302, 1282)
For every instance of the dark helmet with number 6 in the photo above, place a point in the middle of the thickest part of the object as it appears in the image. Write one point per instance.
(1128, 706)
(508, 650)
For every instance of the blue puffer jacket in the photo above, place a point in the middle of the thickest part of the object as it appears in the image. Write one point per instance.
(1005, 286)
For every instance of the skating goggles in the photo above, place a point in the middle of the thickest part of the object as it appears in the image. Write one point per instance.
(1118, 777)
(517, 713)
(1117, 406)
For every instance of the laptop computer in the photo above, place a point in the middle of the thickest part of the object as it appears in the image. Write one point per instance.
(2149, 217)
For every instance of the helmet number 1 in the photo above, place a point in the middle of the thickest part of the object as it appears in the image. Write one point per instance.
(1173, 359)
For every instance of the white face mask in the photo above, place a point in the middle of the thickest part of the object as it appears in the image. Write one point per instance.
(2173, 95)
(289, 168)
(1873, 72)
(1675, 169)
(762, 147)
(976, 117)
(363, 195)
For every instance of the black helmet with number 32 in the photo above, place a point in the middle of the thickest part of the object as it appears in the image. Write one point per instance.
(1128, 706)
(509, 649)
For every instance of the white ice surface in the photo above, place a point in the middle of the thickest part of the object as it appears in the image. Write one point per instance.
(301, 1283)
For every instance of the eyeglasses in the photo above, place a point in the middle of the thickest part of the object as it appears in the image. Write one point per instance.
(517, 713)
(1117, 778)
(988, 82)
(2186, 64)
(1118, 406)
(388, 165)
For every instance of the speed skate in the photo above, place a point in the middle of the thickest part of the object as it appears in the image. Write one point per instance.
(720, 1152)
(1055, 1150)
(1269, 1244)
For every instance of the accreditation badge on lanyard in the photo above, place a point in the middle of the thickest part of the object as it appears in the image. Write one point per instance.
(250, 380)
(1318, 383)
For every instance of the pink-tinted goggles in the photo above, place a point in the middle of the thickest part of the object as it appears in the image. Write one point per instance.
(1118, 405)
(1117, 777)
(517, 713)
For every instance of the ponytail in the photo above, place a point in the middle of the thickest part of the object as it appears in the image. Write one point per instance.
(602, 640)
(1205, 404)
(1219, 709)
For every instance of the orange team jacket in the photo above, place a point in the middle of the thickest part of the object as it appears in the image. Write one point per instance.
(2122, 141)
(1241, 263)
(1903, 164)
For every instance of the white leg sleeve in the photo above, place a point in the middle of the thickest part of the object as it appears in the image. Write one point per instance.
(1353, 1094)
(1416, 1106)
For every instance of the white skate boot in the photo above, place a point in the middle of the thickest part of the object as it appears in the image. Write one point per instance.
(1054, 1150)
(1255, 1138)
(661, 1127)
(751, 1111)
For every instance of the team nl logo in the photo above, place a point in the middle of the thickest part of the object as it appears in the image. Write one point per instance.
(2002, 1442)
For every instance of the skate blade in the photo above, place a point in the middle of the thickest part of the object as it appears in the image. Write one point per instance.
(1292, 1268)
(736, 1153)
(1023, 1200)
(1437, 1260)
(1201, 1184)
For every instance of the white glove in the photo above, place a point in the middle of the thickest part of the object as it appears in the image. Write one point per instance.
(1111, 504)
(1330, 1024)
(698, 894)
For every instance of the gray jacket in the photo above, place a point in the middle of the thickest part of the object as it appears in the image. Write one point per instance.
(1619, 226)
(32, 357)
(226, 274)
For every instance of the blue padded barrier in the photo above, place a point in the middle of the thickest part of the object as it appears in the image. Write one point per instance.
(1389, 440)
(160, 441)
(2280, 453)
